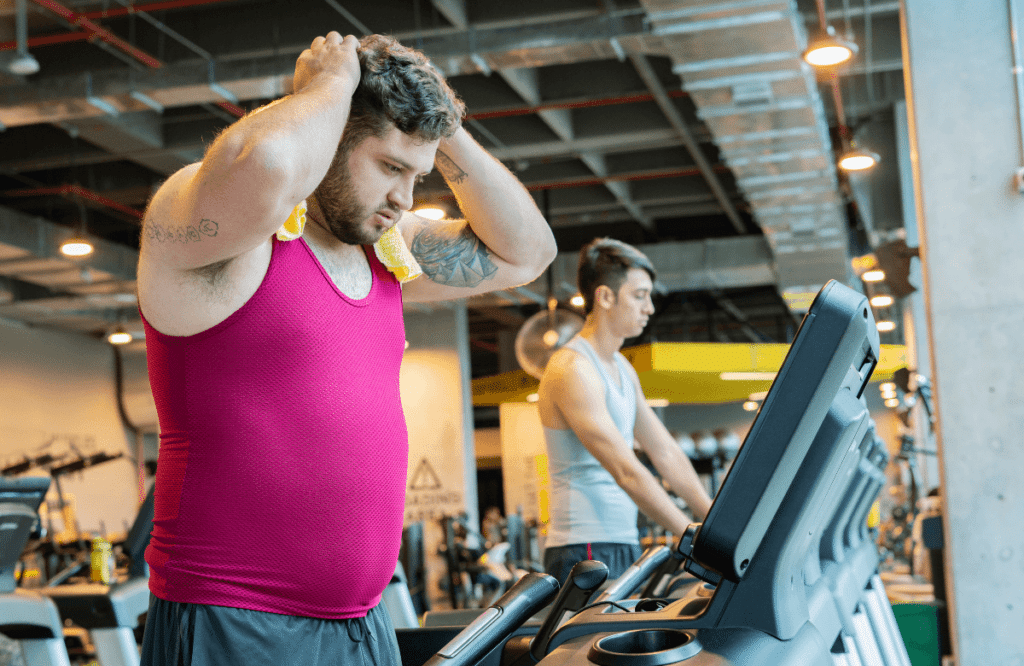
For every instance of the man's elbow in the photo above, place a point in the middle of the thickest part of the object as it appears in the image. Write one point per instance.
(544, 252)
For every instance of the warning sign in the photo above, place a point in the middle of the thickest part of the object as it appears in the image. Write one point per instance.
(427, 499)
(424, 478)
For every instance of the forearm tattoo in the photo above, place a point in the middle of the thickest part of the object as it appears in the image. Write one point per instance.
(451, 171)
(193, 233)
(453, 256)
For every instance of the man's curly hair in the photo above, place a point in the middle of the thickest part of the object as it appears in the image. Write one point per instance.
(398, 86)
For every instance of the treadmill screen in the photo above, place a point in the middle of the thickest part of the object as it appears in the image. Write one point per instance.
(836, 346)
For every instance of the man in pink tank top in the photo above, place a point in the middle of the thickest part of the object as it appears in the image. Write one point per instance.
(274, 363)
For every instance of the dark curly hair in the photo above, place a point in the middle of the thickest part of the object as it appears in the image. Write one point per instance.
(606, 261)
(398, 86)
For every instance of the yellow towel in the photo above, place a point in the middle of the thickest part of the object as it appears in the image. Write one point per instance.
(293, 226)
(393, 253)
(390, 249)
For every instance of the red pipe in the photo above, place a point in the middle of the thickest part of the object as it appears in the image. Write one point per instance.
(149, 7)
(48, 40)
(580, 104)
(63, 38)
(76, 191)
(233, 109)
(98, 32)
(640, 175)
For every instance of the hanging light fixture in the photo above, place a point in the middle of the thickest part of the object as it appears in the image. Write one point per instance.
(24, 63)
(78, 245)
(828, 50)
(858, 159)
(119, 336)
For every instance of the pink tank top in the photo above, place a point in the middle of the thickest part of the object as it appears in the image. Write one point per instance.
(283, 447)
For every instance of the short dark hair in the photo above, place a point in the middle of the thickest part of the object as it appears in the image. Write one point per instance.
(398, 86)
(606, 261)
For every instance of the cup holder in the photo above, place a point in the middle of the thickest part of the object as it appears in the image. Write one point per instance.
(644, 647)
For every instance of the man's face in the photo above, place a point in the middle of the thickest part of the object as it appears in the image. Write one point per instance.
(365, 194)
(632, 308)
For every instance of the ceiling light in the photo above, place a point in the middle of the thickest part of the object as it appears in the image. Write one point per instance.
(532, 398)
(25, 64)
(882, 301)
(657, 402)
(858, 159)
(747, 376)
(430, 212)
(873, 276)
(887, 386)
(750, 406)
(577, 301)
(76, 247)
(119, 336)
(828, 50)
(550, 337)
(760, 395)
(886, 326)
(892, 402)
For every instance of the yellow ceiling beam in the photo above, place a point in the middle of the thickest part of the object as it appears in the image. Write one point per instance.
(687, 372)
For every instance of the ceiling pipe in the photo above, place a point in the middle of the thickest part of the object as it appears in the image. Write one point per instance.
(579, 104)
(99, 32)
(837, 98)
(149, 7)
(76, 192)
(24, 63)
(653, 83)
(585, 181)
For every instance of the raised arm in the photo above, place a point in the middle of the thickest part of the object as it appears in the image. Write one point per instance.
(258, 169)
(573, 386)
(668, 458)
(503, 242)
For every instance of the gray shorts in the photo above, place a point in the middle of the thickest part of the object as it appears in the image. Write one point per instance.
(180, 634)
(559, 560)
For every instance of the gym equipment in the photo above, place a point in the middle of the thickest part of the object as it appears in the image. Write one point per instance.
(398, 600)
(413, 561)
(111, 613)
(531, 593)
(635, 574)
(584, 578)
(786, 564)
(788, 570)
(25, 616)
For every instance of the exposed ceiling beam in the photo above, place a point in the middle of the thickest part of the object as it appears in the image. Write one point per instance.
(653, 83)
(250, 76)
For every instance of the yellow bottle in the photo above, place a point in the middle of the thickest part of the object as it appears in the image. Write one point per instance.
(102, 561)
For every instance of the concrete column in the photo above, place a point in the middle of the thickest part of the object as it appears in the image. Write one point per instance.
(965, 139)
(915, 331)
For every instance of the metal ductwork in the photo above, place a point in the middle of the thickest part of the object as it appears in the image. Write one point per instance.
(741, 63)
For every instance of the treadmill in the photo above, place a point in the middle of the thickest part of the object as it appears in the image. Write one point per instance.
(26, 616)
(772, 592)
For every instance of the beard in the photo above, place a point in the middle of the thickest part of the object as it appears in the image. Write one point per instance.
(346, 218)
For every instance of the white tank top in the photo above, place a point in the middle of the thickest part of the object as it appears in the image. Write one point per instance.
(587, 506)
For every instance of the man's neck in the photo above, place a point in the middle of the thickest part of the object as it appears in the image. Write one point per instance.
(316, 230)
(604, 342)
